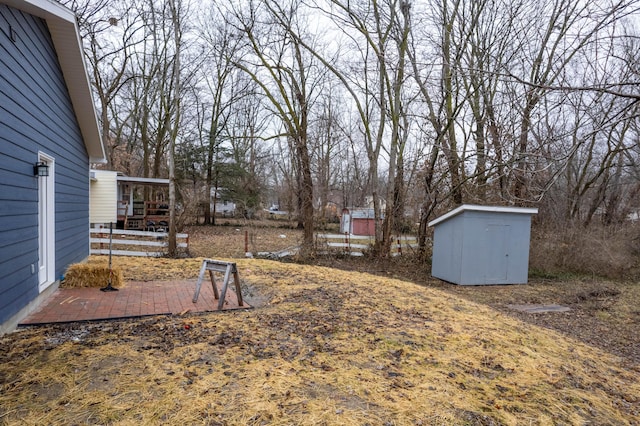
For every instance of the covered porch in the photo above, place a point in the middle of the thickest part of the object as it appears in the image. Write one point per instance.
(136, 203)
(142, 203)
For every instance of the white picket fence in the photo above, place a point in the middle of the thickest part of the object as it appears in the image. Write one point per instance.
(133, 243)
(356, 245)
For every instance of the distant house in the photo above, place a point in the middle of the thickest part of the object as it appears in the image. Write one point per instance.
(221, 204)
(49, 135)
(368, 202)
(119, 199)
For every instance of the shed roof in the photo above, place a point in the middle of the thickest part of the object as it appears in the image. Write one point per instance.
(473, 207)
(65, 35)
(360, 212)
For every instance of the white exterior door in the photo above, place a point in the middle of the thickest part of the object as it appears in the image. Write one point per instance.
(46, 225)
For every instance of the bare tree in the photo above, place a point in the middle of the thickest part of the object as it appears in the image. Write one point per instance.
(379, 33)
(249, 157)
(441, 111)
(561, 29)
(111, 31)
(176, 8)
(325, 138)
(499, 101)
(220, 44)
(275, 61)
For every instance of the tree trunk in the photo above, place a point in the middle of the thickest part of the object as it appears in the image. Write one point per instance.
(175, 20)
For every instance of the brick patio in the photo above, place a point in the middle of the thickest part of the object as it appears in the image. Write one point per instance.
(135, 299)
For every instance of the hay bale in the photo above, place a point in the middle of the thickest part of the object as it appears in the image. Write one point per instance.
(92, 275)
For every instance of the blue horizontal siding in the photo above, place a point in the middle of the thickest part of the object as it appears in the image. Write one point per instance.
(72, 250)
(34, 43)
(16, 237)
(21, 192)
(15, 295)
(32, 123)
(8, 134)
(36, 115)
(16, 298)
(14, 209)
(8, 177)
(12, 253)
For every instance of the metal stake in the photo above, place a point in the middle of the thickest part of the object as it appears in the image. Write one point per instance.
(109, 287)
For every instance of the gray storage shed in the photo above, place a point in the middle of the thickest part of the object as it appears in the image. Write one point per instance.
(478, 245)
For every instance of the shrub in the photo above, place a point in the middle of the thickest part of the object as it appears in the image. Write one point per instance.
(604, 251)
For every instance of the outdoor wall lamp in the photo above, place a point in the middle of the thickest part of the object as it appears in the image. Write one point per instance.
(41, 169)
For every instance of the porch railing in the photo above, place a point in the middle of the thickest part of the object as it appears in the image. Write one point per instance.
(146, 215)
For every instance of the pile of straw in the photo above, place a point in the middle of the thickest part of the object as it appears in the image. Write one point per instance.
(92, 275)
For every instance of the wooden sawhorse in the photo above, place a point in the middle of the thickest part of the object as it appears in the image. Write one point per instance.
(228, 268)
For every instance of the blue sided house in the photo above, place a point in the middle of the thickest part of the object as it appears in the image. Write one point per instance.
(49, 136)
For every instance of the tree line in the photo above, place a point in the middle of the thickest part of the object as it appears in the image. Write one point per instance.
(412, 106)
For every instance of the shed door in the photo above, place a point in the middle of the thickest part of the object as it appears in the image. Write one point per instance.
(498, 262)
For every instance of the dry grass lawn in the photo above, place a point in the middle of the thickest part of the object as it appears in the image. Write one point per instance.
(604, 313)
(323, 347)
